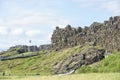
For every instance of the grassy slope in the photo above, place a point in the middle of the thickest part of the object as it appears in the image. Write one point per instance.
(43, 63)
(110, 64)
(38, 64)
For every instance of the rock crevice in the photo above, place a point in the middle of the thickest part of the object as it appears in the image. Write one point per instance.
(73, 62)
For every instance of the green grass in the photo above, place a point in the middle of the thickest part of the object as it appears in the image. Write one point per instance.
(90, 76)
(43, 63)
(110, 64)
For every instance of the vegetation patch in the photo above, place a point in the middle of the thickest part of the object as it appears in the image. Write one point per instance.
(110, 64)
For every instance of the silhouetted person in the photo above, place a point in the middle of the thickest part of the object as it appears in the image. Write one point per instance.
(30, 41)
(3, 73)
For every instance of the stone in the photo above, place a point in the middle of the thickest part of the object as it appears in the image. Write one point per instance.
(68, 27)
(79, 29)
(57, 27)
(75, 61)
(106, 35)
(45, 47)
(23, 48)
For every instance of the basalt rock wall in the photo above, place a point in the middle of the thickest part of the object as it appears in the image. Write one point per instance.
(24, 48)
(106, 35)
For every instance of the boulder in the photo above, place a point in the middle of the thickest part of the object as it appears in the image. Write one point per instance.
(73, 62)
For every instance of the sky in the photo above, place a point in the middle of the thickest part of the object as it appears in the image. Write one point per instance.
(35, 20)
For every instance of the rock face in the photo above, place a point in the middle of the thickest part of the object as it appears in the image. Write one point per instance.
(45, 47)
(106, 35)
(73, 62)
(24, 48)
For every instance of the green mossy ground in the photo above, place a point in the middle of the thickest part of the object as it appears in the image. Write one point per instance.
(43, 63)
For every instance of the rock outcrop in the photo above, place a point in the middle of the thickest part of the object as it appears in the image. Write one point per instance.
(73, 62)
(19, 51)
(24, 48)
(45, 47)
(106, 35)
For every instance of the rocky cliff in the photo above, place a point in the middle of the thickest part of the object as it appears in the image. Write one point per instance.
(24, 48)
(73, 62)
(32, 48)
(106, 35)
(45, 47)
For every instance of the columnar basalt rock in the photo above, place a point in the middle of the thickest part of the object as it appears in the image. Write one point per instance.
(106, 35)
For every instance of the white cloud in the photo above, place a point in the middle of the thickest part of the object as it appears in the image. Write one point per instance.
(40, 18)
(3, 30)
(17, 31)
(20, 16)
(33, 33)
(89, 3)
(11, 31)
(112, 6)
(1, 21)
(27, 20)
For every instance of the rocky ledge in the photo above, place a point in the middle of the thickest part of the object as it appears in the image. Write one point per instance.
(73, 62)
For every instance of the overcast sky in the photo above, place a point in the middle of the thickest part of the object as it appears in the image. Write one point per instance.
(35, 20)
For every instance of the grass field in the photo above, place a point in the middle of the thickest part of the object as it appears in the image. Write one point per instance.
(44, 62)
(88, 76)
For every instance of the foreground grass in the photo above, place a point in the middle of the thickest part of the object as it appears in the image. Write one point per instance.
(90, 76)
(41, 64)
(44, 62)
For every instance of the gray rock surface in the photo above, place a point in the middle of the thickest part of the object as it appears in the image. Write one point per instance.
(45, 47)
(73, 62)
(106, 35)
(24, 48)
